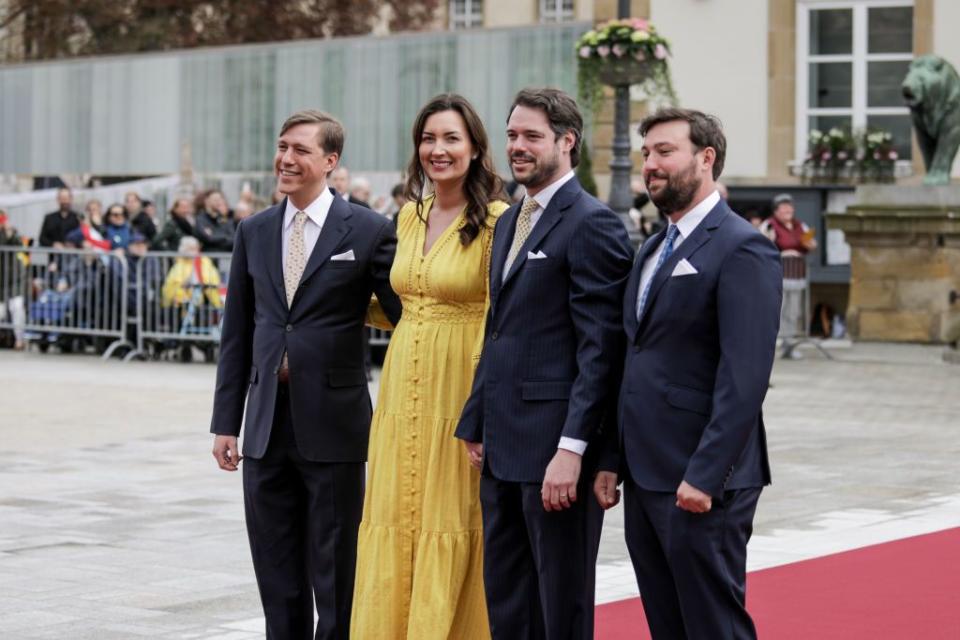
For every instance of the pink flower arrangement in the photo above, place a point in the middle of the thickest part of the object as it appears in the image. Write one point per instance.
(660, 52)
(603, 51)
(619, 50)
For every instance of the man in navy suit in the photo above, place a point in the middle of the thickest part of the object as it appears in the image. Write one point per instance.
(701, 313)
(300, 284)
(545, 380)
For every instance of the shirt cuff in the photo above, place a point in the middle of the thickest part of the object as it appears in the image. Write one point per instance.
(572, 444)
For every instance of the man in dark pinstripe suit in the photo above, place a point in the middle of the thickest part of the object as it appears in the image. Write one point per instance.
(553, 346)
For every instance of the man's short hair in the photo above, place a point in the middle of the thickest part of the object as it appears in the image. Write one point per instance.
(705, 131)
(330, 134)
(561, 111)
(360, 183)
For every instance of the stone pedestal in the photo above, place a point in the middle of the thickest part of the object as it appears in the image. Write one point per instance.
(904, 264)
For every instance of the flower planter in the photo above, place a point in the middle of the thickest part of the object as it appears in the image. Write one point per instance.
(624, 71)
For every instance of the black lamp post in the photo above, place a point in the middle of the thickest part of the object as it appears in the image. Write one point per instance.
(621, 198)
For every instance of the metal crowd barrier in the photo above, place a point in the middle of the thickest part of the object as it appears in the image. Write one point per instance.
(795, 310)
(140, 307)
(70, 298)
(179, 304)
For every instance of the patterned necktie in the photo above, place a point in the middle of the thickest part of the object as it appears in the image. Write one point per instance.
(293, 270)
(672, 233)
(296, 257)
(522, 233)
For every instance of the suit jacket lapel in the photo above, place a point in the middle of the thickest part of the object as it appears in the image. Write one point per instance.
(335, 229)
(686, 249)
(548, 220)
(502, 238)
(633, 284)
(274, 252)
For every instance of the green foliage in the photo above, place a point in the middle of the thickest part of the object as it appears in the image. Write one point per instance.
(626, 51)
(844, 155)
(47, 29)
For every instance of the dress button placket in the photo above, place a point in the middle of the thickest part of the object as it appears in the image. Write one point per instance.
(414, 399)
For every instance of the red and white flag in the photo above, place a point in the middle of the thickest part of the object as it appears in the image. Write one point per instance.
(93, 236)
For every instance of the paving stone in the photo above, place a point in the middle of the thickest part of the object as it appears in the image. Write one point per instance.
(117, 524)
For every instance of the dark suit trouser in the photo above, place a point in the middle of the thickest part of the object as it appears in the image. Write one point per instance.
(302, 521)
(691, 568)
(539, 567)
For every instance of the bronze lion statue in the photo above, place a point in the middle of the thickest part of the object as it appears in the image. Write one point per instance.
(932, 91)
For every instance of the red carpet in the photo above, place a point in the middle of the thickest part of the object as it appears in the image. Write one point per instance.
(904, 590)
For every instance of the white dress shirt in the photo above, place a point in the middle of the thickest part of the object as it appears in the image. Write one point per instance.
(543, 199)
(316, 215)
(545, 196)
(685, 226)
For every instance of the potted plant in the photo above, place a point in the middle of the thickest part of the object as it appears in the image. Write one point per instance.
(621, 53)
(830, 155)
(876, 156)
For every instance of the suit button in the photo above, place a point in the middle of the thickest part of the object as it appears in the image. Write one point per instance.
(289, 328)
(494, 336)
(276, 370)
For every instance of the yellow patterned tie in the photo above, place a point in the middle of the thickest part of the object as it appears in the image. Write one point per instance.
(296, 257)
(522, 233)
(293, 269)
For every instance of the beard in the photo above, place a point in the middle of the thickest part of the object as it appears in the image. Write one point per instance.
(679, 190)
(543, 169)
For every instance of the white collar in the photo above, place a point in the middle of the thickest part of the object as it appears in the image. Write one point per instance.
(546, 194)
(316, 210)
(691, 219)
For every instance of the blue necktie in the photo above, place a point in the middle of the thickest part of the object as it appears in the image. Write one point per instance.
(672, 232)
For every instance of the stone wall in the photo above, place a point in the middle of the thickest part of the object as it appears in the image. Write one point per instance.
(905, 262)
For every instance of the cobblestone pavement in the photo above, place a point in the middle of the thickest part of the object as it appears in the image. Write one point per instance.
(115, 522)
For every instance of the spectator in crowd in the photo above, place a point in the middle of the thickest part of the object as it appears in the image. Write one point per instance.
(57, 224)
(391, 206)
(790, 235)
(247, 195)
(193, 278)
(88, 276)
(13, 274)
(360, 192)
(139, 215)
(794, 239)
(722, 190)
(244, 209)
(150, 209)
(179, 224)
(340, 181)
(93, 214)
(215, 229)
(144, 275)
(117, 229)
(515, 191)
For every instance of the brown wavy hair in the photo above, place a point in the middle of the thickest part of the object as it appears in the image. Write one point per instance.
(481, 184)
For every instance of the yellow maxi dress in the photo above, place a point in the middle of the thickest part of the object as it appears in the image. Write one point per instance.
(420, 550)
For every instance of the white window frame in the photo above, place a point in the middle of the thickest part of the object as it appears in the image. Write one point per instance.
(858, 110)
(471, 18)
(552, 12)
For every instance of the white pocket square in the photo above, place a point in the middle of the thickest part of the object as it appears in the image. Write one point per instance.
(346, 255)
(539, 255)
(683, 268)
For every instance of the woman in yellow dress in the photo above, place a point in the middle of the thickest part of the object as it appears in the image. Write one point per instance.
(420, 551)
